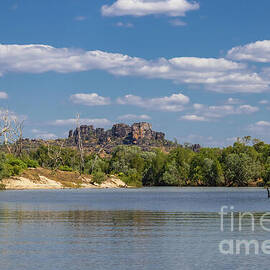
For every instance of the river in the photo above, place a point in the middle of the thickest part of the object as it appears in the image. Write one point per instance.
(148, 228)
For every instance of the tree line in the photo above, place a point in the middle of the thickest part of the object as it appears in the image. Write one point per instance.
(246, 162)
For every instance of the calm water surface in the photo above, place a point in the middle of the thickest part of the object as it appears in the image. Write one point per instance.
(149, 228)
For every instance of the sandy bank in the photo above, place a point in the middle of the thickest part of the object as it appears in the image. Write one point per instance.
(41, 178)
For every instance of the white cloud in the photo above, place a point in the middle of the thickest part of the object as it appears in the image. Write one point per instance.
(173, 103)
(215, 74)
(83, 121)
(3, 95)
(40, 134)
(233, 101)
(264, 101)
(134, 117)
(263, 124)
(257, 52)
(171, 8)
(225, 110)
(124, 25)
(47, 136)
(92, 99)
(246, 109)
(198, 106)
(207, 141)
(211, 113)
(260, 128)
(231, 140)
(194, 117)
(177, 22)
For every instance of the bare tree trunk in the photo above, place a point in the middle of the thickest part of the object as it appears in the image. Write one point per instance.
(80, 145)
(97, 155)
(11, 132)
(55, 156)
(19, 143)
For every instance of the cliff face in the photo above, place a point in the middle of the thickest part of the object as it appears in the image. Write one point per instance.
(138, 134)
(93, 139)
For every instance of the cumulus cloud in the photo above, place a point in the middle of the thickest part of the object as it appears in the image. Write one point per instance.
(260, 128)
(233, 101)
(264, 101)
(173, 103)
(40, 134)
(170, 8)
(246, 109)
(263, 124)
(232, 140)
(83, 121)
(257, 52)
(203, 112)
(92, 99)
(177, 22)
(224, 110)
(208, 141)
(124, 25)
(134, 117)
(194, 117)
(215, 74)
(3, 95)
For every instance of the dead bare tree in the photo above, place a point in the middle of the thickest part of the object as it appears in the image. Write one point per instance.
(102, 148)
(55, 155)
(18, 139)
(11, 132)
(80, 145)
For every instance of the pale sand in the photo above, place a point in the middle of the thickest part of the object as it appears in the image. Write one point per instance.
(22, 183)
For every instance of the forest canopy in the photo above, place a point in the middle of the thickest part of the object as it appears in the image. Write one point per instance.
(245, 163)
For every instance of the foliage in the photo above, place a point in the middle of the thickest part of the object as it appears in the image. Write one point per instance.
(238, 165)
(10, 165)
(99, 177)
(65, 168)
(30, 163)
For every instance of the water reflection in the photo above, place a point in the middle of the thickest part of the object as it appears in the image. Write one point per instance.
(119, 219)
(43, 234)
(110, 237)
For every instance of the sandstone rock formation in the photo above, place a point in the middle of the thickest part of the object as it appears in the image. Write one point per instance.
(95, 139)
(137, 134)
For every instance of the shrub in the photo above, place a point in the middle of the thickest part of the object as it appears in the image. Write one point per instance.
(99, 177)
(10, 166)
(65, 168)
(16, 162)
(31, 163)
(132, 178)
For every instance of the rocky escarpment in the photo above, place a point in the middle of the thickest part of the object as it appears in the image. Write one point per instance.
(140, 134)
(95, 139)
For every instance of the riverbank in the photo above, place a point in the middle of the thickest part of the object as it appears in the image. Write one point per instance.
(40, 178)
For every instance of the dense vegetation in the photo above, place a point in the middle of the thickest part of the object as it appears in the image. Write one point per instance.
(242, 164)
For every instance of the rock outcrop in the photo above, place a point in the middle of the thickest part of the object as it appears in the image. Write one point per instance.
(140, 134)
(95, 139)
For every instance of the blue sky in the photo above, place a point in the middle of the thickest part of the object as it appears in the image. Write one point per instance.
(197, 70)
